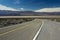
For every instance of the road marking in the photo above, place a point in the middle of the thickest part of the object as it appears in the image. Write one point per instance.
(38, 31)
(13, 30)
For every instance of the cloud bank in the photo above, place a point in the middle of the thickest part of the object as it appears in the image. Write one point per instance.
(49, 10)
(2, 7)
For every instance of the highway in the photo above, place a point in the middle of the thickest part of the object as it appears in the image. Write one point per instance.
(50, 31)
(24, 31)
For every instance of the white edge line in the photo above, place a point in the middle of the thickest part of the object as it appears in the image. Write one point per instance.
(38, 31)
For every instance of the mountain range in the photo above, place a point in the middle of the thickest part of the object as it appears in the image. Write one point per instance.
(26, 13)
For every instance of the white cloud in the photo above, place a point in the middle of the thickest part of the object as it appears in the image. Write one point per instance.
(57, 9)
(22, 9)
(25, 9)
(2, 7)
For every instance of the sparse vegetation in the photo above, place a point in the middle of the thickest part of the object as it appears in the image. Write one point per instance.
(7, 22)
(57, 20)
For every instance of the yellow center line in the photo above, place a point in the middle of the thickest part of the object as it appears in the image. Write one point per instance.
(13, 30)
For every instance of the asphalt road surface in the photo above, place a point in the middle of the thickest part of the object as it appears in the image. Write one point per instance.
(50, 31)
(24, 31)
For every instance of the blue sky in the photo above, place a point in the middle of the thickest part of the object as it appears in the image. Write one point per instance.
(30, 4)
